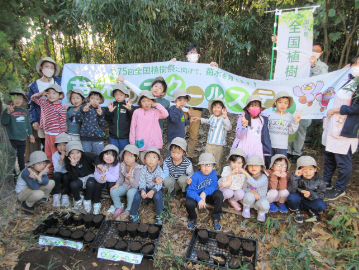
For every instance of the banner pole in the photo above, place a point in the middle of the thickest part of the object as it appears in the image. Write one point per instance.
(273, 45)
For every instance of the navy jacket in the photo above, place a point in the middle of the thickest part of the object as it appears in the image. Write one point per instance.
(266, 143)
(176, 124)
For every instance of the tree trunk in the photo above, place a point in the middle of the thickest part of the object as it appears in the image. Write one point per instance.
(325, 30)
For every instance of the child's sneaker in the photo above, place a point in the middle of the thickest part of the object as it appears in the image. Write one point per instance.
(27, 210)
(298, 217)
(159, 218)
(78, 203)
(111, 210)
(217, 225)
(87, 206)
(172, 195)
(313, 217)
(261, 216)
(134, 218)
(183, 194)
(65, 201)
(273, 208)
(96, 208)
(43, 200)
(56, 200)
(246, 212)
(282, 208)
(117, 212)
(126, 214)
(235, 204)
(191, 224)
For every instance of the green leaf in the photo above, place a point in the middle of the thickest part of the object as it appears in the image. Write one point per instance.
(301, 255)
(335, 36)
(331, 12)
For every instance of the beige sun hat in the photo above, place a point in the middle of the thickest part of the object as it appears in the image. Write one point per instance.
(283, 94)
(47, 59)
(211, 102)
(130, 148)
(151, 150)
(306, 161)
(19, 92)
(98, 91)
(160, 78)
(277, 156)
(147, 94)
(110, 147)
(254, 98)
(36, 157)
(181, 93)
(76, 91)
(55, 87)
(61, 138)
(73, 145)
(206, 158)
(179, 142)
(121, 87)
(237, 152)
(256, 160)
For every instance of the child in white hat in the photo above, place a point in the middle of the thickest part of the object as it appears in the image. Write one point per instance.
(77, 98)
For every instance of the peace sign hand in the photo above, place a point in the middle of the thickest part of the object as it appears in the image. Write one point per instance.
(128, 105)
(72, 161)
(11, 108)
(120, 78)
(66, 105)
(87, 107)
(224, 113)
(110, 107)
(244, 120)
(298, 116)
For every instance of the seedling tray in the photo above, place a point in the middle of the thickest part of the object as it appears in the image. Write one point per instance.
(42, 228)
(109, 230)
(212, 248)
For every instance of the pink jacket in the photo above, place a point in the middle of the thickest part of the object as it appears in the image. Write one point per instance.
(145, 130)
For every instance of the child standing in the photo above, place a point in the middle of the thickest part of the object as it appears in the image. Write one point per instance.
(58, 160)
(232, 181)
(256, 188)
(150, 185)
(278, 183)
(106, 174)
(252, 134)
(53, 117)
(307, 190)
(17, 123)
(119, 114)
(33, 184)
(203, 189)
(76, 97)
(145, 130)
(219, 125)
(128, 181)
(92, 120)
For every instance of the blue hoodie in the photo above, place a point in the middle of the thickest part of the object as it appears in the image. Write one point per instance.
(202, 183)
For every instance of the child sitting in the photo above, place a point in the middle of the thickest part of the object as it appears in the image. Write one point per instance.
(106, 174)
(203, 189)
(307, 190)
(177, 168)
(219, 125)
(58, 160)
(76, 97)
(119, 114)
(145, 130)
(92, 120)
(150, 185)
(232, 181)
(256, 188)
(33, 183)
(278, 183)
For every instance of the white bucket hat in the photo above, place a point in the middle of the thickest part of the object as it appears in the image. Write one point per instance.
(36, 157)
(61, 138)
(98, 91)
(255, 98)
(77, 91)
(151, 150)
(110, 147)
(121, 87)
(181, 93)
(306, 161)
(278, 156)
(130, 148)
(256, 160)
(179, 142)
(237, 152)
(206, 158)
(283, 94)
(211, 102)
(73, 145)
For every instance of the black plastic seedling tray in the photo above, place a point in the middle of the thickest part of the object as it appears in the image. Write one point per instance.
(212, 248)
(109, 230)
(49, 223)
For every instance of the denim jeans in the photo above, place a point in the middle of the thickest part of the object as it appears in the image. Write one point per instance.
(298, 202)
(157, 198)
(120, 143)
(121, 191)
(96, 146)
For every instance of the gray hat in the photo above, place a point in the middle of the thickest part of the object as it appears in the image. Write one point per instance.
(77, 91)
(98, 91)
(255, 98)
(47, 59)
(179, 142)
(306, 161)
(211, 102)
(256, 160)
(147, 94)
(283, 94)
(36, 157)
(18, 92)
(121, 87)
(110, 147)
(181, 93)
(154, 150)
(61, 138)
(73, 145)
(130, 148)
(237, 152)
(278, 156)
(206, 158)
(160, 78)
(55, 87)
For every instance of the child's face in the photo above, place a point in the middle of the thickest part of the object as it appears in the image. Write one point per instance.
(177, 153)
(282, 104)
(308, 171)
(75, 155)
(152, 159)
(238, 164)
(280, 166)
(119, 96)
(94, 100)
(255, 104)
(17, 100)
(53, 96)
(181, 102)
(146, 103)
(157, 89)
(39, 166)
(76, 99)
(108, 158)
(129, 158)
(217, 109)
(206, 169)
(254, 169)
(61, 147)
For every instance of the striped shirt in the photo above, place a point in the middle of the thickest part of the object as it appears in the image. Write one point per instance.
(146, 179)
(184, 168)
(217, 133)
(53, 116)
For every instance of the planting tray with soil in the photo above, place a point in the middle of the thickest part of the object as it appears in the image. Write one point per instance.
(63, 225)
(235, 248)
(133, 237)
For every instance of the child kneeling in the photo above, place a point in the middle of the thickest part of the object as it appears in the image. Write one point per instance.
(33, 183)
(203, 189)
(307, 190)
(150, 186)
